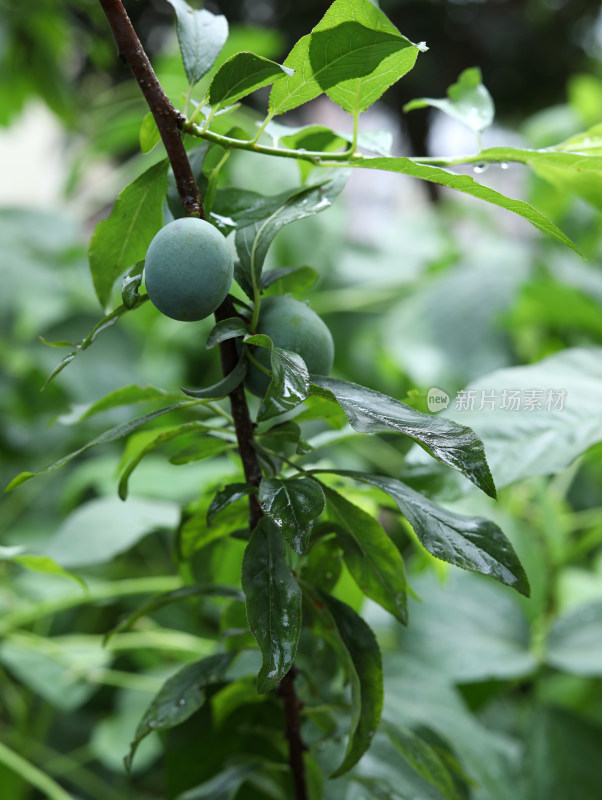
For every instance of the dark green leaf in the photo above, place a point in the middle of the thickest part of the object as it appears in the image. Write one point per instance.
(167, 598)
(356, 643)
(468, 101)
(253, 241)
(467, 185)
(290, 379)
(242, 74)
(371, 557)
(123, 238)
(273, 601)
(201, 36)
(223, 387)
(322, 566)
(229, 494)
(473, 543)
(372, 412)
(226, 329)
(120, 397)
(294, 504)
(180, 697)
(118, 432)
(225, 785)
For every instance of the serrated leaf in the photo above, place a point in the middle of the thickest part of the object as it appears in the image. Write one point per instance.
(372, 412)
(224, 387)
(290, 380)
(225, 497)
(294, 505)
(273, 600)
(354, 54)
(180, 697)
(201, 36)
(225, 329)
(466, 185)
(468, 101)
(472, 543)
(253, 241)
(371, 557)
(356, 643)
(123, 238)
(242, 74)
(118, 432)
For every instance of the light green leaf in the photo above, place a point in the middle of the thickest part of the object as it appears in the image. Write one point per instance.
(372, 412)
(127, 395)
(37, 563)
(149, 133)
(273, 600)
(294, 505)
(123, 238)
(101, 529)
(180, 697)
(354, 54)
(371, 557)
(466, 185)
(468, 101)
(225, 785)
(240, 75)
(573, 642)
(201, 36)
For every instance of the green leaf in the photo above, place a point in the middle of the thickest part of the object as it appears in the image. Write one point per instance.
(319, 138)
(225, 386)
(472, 543)
(294, 280)
(138, 449)
(123, 238)
(120, 397)
(371, 557)
(118, 432)
(273, 600)
(294, 505)
(466, 185)
(423, 758)
(225, 497)
(201, 36)
(240, 75)
(226, 329)
(322, 565)
(149, 133)
(199, 449)
(167, 598)
(180, 697)
(253, 241)
(357, 645)
(372, 412)
(130, 285)
(103, 528)
(37, 563)
(290, 379)
(224, 785)
(468, 101)
(573, 642)
(354, 54)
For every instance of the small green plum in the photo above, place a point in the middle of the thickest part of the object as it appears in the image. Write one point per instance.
(291, 325)
(188, 269)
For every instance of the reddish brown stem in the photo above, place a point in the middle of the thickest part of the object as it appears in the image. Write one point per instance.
(168, 121)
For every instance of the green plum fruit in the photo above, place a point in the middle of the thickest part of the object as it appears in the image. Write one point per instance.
(188, 269)
(291, 325)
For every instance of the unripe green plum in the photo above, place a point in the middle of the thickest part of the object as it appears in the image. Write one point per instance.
(188, 269)
(291, 325)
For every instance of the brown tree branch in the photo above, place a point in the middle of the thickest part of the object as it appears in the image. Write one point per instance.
(167, 118)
